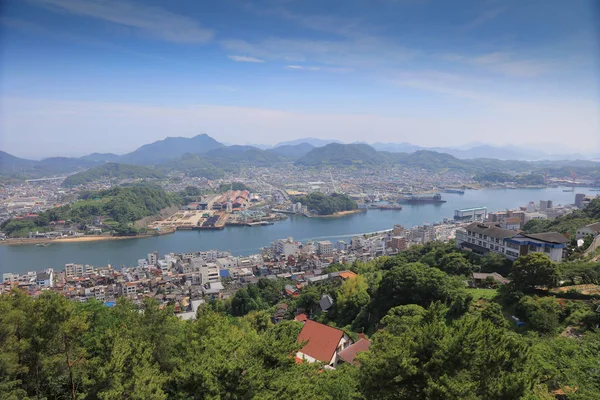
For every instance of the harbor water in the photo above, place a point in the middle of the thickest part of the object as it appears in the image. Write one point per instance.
(242, 240)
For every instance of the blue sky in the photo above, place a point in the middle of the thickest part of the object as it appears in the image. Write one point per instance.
(79, 76)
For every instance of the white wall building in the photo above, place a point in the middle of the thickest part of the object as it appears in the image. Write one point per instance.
(325, 248)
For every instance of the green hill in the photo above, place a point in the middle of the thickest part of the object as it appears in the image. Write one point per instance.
(121, 206)
(112, 171)
(337, 154)
(171, 148)
(324, 204)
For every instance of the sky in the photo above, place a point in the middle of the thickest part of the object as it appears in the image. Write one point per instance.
(83, 76)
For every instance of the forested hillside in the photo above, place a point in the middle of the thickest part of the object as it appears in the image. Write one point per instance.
(112, 171)
(567, 223)
(324, 204)
(430, 339)
(120, 206)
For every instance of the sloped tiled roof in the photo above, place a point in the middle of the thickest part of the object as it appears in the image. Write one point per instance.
(322, 340)
(349, 353)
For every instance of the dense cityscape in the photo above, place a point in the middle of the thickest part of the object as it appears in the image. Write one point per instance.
(273, 199)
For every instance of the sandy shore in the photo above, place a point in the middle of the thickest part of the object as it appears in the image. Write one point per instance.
(78, 239)
(341, 213)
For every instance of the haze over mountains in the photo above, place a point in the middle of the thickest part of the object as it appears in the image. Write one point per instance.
(202, 155)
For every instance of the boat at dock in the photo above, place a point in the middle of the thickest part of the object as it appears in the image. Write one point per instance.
(386, 206)
(455, 191)
(435, 199)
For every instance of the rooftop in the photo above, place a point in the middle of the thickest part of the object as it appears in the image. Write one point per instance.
(490, 230)
(349, 353)
(550, 237)
(322, 340)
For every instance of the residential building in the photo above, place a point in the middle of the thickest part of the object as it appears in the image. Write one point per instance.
(323, 343)
(77, 270)
(349, 353)
(324, 248)
(591, 229)
(579, 197)
(286, 247)
(152, 258)
(45, 279)
(398, 243)
(481, 238)
(210, 273)
(550, 243)
(471, 214)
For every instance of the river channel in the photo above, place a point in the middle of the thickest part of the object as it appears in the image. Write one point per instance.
(248, 240)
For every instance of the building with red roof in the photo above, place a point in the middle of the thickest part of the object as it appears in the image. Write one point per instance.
(349, 353)
(323, 343)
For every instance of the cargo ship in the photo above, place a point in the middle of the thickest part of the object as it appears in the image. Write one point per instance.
(455, 191)
(435, 199)
(386, 206)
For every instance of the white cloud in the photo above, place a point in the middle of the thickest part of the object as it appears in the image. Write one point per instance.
(346, 53)
(484, 17)
(120, 127)
(245, 59)
(150, 20)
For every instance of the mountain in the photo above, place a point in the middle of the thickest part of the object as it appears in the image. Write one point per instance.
(336, 154)
(403, 147)
(104, 157)
(312, 141)
(293, 152)
(23, 168)
(171, 148)
(112, 171)
(10, 163)
(242, 154)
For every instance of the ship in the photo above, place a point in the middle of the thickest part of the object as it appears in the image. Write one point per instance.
(455, 191)
(386, 206)
(42, 245)
(435, 199)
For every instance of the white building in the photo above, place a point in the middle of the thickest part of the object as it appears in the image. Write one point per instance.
(325, 248)
(210, 273)
(152, 258)
(77, 270)
(482, 238)
(471, 214)
(591, 229)
(286, 247)
(45, 279)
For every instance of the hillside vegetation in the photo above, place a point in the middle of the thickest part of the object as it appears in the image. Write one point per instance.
(324, 204)
(567, 223)
(429, 339)
(121, 206)
(112, 171)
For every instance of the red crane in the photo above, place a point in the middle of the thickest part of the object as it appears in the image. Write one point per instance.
(574, 175)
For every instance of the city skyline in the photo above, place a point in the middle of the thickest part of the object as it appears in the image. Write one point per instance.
(89, 76)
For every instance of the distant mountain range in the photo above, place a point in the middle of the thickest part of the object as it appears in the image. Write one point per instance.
(204, 156)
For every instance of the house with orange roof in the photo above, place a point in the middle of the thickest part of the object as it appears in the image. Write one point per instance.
(322, 343)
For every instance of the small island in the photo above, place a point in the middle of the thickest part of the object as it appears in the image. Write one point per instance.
(332, 205)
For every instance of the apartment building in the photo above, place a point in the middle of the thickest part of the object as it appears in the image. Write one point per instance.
(325, 248)
(77, 270)
(482, 238)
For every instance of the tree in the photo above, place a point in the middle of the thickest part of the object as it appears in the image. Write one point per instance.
(469, 358)
(352, 296)
(534, 269)
(541, 313)
(413, 283)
